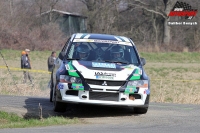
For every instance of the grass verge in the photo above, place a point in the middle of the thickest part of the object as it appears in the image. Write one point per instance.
(10, 120)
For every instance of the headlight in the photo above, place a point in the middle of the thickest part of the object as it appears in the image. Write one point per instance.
(138, 83)
(69, 79)
(73, 79)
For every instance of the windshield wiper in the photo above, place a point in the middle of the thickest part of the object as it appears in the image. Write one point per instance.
(122, 62)
(72, 59)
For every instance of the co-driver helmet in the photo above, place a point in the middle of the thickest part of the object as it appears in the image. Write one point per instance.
(117, 50)
(84, 49)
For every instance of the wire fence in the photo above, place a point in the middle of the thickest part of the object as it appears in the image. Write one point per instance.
(173, 90)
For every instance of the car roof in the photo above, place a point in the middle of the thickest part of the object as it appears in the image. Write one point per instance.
(101, 37)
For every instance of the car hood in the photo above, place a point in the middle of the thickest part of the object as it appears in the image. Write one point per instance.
(104, 70)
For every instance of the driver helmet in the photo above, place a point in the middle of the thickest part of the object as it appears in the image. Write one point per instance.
(83, 51)
(117, 52)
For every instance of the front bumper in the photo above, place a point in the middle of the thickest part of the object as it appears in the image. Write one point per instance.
(102, 97)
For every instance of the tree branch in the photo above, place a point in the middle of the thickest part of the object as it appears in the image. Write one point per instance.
(150, 10)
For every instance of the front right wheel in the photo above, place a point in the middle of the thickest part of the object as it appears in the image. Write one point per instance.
(58, 106)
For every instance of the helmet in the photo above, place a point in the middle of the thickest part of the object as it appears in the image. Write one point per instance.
(83, 49)
(117, 53)
(23, 52)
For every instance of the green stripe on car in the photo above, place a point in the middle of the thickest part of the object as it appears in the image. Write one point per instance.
(72, 73)
(136, 75)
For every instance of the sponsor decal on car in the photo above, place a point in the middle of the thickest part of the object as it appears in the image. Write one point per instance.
(136, 74)
(67, 67)
(147, 92)
(60, 86)
(123, 42)
(130, 90)
(128, 66)
(77, 87)
(72, 70)
(103, 65)
(104, 75)
(106, 41)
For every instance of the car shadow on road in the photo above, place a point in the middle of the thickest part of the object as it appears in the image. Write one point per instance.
(42, 107)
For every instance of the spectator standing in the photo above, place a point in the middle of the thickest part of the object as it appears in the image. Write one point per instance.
(25, 64)
(51, 60)
(50, 64)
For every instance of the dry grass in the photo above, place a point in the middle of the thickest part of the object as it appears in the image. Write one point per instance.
(174, 82)
(14, 86)
(175, 92)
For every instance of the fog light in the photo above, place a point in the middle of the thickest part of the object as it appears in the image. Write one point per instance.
(84, 96)
(123, 99)
(131, 97)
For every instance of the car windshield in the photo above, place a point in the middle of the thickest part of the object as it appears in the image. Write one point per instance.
(103, 52)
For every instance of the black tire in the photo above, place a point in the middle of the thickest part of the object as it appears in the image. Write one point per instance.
(51, 91)
(140, 110)
(51, 95)
(58, 106)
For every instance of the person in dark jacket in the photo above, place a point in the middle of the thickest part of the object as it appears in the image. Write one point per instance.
(50, 61)
(25, 64)
(50, 64)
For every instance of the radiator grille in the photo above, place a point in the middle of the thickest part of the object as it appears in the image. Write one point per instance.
(104, 96)
(109, 83)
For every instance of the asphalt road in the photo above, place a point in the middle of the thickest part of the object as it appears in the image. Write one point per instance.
(161, 118)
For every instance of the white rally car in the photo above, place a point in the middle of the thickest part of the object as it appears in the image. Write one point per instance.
(100, 69)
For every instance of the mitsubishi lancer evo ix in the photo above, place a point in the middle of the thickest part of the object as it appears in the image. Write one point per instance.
(100, 69)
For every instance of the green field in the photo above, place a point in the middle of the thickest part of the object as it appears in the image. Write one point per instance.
(174, 76)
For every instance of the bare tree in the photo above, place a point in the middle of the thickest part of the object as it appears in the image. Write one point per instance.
(143, 20)
(52, 3)
(11, 7)
(101, 15)
(152, 7)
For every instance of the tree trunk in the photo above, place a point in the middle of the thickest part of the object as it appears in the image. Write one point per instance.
(11, 7)
(154, 16)
(196, 39)
(90, 4)
(50, 13)
(166, 32)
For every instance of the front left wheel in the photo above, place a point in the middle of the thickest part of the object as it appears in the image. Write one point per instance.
(51, 95)
(58, 106)
(51, 90)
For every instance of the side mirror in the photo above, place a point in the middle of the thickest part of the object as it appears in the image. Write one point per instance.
(61, 55)
(143, 61)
